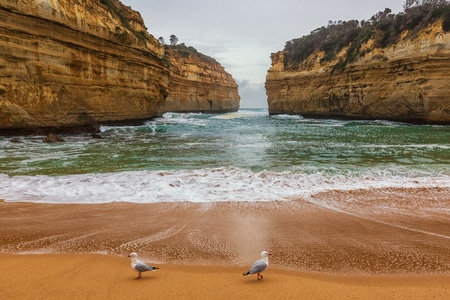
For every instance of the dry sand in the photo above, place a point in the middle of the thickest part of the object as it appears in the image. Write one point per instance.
(376, 244)
(90, 276)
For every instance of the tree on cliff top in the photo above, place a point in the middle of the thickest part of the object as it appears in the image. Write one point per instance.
(173, 40)
(384, 28)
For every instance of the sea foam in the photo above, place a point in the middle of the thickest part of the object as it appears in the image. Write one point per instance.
(205, 185)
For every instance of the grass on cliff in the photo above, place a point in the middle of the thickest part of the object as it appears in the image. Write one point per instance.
(384, 28)
(186, 51)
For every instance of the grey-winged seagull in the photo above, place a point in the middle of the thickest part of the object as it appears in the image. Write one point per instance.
(260, 265)
(140, 266)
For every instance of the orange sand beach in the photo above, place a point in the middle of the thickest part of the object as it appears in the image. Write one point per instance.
(91, 276)
(365, 244)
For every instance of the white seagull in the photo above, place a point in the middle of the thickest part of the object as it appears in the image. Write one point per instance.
(140, 266)
(260, 265)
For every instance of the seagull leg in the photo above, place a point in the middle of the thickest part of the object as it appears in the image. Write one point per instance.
(260, 277)
(139, 276)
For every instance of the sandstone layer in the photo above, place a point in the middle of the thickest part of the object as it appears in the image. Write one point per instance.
(407, 81)
(199, 83)
(73, 63)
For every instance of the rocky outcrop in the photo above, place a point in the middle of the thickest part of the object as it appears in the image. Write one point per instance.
(73, 63)
(407, 81)
(198, 83)
(70, 65)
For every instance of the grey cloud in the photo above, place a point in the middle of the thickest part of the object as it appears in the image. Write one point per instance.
(241, 34)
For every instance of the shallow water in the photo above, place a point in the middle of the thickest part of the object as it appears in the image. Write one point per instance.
(243, 156)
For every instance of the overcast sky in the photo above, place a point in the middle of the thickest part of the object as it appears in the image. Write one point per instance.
(241, 34)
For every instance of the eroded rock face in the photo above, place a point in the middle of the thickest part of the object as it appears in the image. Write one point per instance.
(72, 63)
(199, 84)
(408, 81)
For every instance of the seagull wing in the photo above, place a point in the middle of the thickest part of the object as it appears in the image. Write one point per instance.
(142, 266)
(258, 266)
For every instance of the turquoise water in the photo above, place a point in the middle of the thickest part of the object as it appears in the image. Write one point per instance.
(201, 157)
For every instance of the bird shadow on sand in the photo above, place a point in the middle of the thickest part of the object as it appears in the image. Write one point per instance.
(142, 279)
(256, 281)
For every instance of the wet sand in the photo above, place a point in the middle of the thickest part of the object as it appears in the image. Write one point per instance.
(365, 244)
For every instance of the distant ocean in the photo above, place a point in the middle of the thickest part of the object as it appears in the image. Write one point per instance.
(242, 156)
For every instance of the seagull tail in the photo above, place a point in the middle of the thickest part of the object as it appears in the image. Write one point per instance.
(246, 274)
(155, 268)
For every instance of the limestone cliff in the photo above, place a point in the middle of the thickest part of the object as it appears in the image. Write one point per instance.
(198, 83)
(73, 63)
(68, 65)
(406, 81)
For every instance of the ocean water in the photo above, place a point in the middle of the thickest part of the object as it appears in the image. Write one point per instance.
(242, 156)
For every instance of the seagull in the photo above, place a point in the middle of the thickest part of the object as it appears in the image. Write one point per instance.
(140, 266)
(259, 265)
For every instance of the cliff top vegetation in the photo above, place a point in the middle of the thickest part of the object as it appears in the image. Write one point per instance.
(186, 51)
(183, 50)
(384, 28)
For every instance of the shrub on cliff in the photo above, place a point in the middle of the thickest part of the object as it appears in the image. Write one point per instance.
(444, 13)
(384, 28)
(186, 51)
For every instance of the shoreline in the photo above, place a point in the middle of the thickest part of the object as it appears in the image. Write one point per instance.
(393, 231)
(362, 244)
